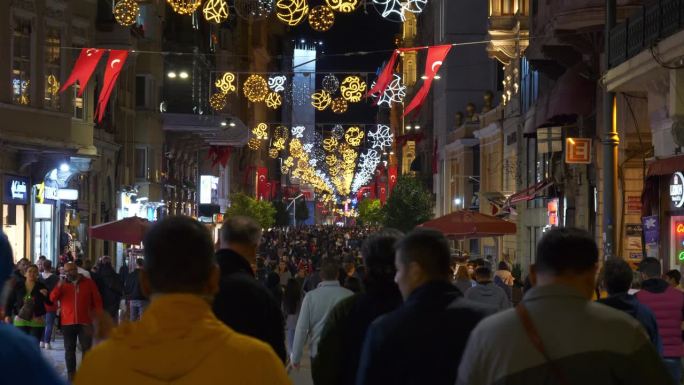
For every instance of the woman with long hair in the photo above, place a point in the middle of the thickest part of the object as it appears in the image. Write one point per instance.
(25, 306)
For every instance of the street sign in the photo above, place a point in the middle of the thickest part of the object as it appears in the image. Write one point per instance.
(578, 150)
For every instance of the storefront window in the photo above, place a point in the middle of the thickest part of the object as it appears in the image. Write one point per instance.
(43, 240)
(21, 61)
(14, 222)
(52, 67)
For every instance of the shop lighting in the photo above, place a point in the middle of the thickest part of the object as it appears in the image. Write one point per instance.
(424, 77)
(437, 77)
(232, 124)
(223, 124)
(64, 167)
(408, 128)
(171, 75)
(417, 127)
(183, 75)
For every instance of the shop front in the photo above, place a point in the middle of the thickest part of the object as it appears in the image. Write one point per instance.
(15, 200)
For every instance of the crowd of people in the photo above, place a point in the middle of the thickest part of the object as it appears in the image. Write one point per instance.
(373, 306)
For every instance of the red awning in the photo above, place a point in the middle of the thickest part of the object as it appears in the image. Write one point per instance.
(571, 96)
(529, 193)
(128, 230)
(666, 166)
(470, 224)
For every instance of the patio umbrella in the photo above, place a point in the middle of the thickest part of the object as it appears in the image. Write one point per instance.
(128, 230)
(463, 224)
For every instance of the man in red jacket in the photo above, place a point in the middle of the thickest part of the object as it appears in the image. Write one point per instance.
(667, 304)
(80, 302)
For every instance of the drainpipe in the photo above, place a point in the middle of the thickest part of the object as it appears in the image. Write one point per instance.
(610, 142)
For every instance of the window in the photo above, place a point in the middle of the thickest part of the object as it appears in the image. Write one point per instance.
(529, 85)
(21, 61)
(141, 163)
(508, 7)
(410, 68)
(52, 67)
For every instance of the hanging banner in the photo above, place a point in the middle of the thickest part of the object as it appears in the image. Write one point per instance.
(115, 63)
(83, 69)
(435, 58)
(382, 194)
(262, 183)
(392, 177)
(385, 76)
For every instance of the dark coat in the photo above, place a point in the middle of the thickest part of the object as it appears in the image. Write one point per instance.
(339, 348)
(246, 305)
(631, 305)
(421, 342)
(132, 289)
(110, 287)
(16, 299)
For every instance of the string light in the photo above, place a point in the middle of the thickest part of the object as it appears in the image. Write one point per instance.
(298, 131)
(260, 131)
(321, 18)
(291, 12)
(254, 144)
(330, 83)
(321, 100)
(273, 152)
(253, 9)
(279, 144)
(354, 136)
(225, 83)
(337, 131)
(352, 89)
(395, 10)
(339, 105)
(217, 101)
(281, 132)
(215, 11)
(382, 137)
(52, 85)
(126, 12)
(277, 83)
(255, 88)
(184, 7)
(273, 100)
(330, 144)
(343, 6)
(394, 93)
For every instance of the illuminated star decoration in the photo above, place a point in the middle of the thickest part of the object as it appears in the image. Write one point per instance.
(225, 83)
(291, 12)
(395, 9)
(260, 131)
(215, 11)
(298, 131)
(394, 93)
(352, 89)
(277, 83)
(354, 136)
(382, 137)
(273, 100)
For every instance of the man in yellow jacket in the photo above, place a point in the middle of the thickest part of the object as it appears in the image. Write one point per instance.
(179, 340)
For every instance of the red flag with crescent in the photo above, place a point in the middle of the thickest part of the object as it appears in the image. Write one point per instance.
(83, 69)
(435, 58)
(115, 63)
(392, 177)
(262, 183)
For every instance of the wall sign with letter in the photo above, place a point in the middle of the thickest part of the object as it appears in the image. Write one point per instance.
(677, 190)
(15, 190)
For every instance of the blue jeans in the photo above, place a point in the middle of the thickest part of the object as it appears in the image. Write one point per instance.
(674, 366)
(137, 307)
(49, 324)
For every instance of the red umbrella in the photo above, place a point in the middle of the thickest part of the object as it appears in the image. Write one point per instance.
(470, 224)
(128, 230)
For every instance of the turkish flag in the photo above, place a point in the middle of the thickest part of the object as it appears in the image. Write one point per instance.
(83, 68)
(435, 58)
(262, 183)
(116, 60)
(385, 76)
(392, 177)
(383, 194)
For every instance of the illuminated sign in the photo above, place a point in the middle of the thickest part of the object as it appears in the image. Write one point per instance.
(578, 150)
(677, 189)
(15, 190)
(679, 228)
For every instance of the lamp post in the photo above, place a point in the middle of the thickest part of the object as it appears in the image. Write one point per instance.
(294, 209)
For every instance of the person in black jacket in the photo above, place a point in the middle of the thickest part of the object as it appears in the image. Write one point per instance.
(137, 301)
(421, 342)
(341, 341)
(25, 305)
(110, 287)
(243, 303)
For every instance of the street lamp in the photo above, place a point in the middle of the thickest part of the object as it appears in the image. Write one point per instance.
(294, 209)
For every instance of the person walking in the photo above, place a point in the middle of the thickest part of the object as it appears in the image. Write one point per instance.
(110, 287)
(80, 303)
(673, 277)
(179, 340)
(504, 279)
(292, 300)
(667, 303)
(557, 335)
(243, 303)
(617, 279)
(421, 342)
(486, 292)
(137, 302)
(50, 281)
(342, 337)
(315, 308)
(463, 281)
(25, 306)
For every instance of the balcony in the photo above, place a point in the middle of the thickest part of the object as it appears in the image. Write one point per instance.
(644, 28)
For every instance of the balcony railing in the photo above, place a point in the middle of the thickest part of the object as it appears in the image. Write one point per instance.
(644, 28)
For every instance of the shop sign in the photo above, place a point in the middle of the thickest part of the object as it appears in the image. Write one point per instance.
(651, 229)
(677, 190)
(577, 150)
(634, 229)
(633, 204)
(67, 194)
(15, 190)
(48, 190)
(218, 218)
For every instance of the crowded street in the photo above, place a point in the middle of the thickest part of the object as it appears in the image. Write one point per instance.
(341, 192)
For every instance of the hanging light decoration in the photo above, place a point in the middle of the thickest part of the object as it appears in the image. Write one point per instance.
(253, 9)
(277, 83)
(337, 131)
(330, 144)
(343, 6)
(330, 83)
(126, 12)
(184, 7)
(339, 105)
(395, 10)
(279, 144)
(225, 83)
(273, 100)
(254, 144)
(354, 136)
(382, 137)
(298, 131)
(291, 12)
(352, 89)
(273, 152)
(260, 131)
(321, 18)
(255, 88)
(394, 93)
(215, 11)
(321, 100)
(217, 101)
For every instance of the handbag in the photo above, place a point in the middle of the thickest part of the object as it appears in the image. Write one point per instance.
(26, 310)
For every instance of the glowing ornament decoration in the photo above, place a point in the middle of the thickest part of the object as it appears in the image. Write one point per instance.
(273, 153)
(277, 83)
(217, 101)
(337, 131)
(339, 105)
(254, 144)
(255, 88)
(279, 144)
(260, 131)
(215, 11)
(331, 160)
(253, 9)
(291, 12)
(395, 10)
(307, 147)
(126, 12)
(352, 89)
(225, 83)
(52, 85)
(321, 100)
(313, 162)
(321, 18)
(281, 132)
(381, 137)
(354, 136)
(273, 100)
(289, 162)
(343, 6)
(184, 7)
(298, 131)
(330, 144)
(330, 83)
(394, 93)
